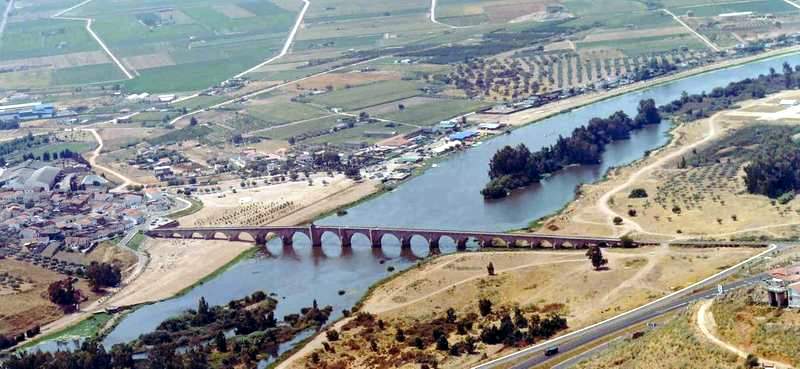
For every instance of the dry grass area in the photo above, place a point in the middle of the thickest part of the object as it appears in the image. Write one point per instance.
(745, 320)
(534, 281)
(105, 252)
(344, 80)
(708, 201)
(28, 305)
(175, 265)
(677, 345)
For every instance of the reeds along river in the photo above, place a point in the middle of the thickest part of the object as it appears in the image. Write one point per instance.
(445, 197)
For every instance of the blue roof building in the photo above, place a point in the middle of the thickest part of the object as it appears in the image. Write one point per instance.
(463, 135)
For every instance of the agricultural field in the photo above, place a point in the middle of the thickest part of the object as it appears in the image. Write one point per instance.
(179, 45)
(48, 52)
(430, 112)
(361, 97)
(476, 12)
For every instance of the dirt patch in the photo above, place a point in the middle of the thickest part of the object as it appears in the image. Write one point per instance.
(502, 13)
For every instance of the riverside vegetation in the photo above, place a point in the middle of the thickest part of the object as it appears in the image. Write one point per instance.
(773, 174)
(239, 334)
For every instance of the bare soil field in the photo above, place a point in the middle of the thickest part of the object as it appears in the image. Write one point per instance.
(119, 136)
(529, 280)
(22, 308)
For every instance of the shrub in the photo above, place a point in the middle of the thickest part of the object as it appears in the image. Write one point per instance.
(332, 335)
(638, 193)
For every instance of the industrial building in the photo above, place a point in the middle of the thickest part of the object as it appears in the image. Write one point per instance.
(28, 111)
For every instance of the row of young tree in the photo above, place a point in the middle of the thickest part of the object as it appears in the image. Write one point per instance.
(515, 167)
(512, 168)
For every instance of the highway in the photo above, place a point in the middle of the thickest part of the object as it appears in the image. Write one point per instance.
(534, 355)
(629, 321)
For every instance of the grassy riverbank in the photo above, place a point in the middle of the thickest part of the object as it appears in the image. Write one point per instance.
(87, 328)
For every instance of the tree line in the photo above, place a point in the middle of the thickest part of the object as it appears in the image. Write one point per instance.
(515, 167)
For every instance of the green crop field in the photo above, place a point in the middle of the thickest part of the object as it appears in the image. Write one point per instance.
(645, 45)
(169, 45)
(45, 37)
(368, 95)
(283, 133)
(284, 112)
(357, 134)
(87, 74)
(434, 112)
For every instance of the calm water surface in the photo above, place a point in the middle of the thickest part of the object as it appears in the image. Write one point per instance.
(446, 197)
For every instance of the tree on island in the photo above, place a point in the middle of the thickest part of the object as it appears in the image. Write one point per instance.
(595, 254)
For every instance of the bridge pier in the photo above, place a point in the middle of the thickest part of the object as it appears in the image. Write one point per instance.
(287, 240)
(405, 242)
(461, 245)
(376, 241)
(346, 241)
(433, 243)
(434, 249)
(261, 239)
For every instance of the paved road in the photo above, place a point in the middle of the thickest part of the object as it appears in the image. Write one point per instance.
(690, 29)
(4, 20)
(677, 300)
(636, 318)
(89, 21)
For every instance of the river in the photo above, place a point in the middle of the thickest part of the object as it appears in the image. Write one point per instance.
(445, 197)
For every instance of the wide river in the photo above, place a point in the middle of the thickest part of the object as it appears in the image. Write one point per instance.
(445, 197)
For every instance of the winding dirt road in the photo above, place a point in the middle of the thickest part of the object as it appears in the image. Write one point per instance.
(706, 323)
(93, 161)
(630, 224)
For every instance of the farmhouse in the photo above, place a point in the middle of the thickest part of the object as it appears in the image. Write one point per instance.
(783, 287)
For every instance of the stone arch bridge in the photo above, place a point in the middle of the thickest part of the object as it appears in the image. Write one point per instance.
(345, 234)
